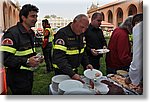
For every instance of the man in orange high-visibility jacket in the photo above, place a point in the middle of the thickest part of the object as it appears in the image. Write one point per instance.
(47, 45)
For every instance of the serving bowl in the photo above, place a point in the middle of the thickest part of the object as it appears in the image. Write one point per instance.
(68, 85)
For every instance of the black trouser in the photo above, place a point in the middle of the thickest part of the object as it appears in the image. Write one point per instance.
(95, 61)
(48, 57)
(20, 81)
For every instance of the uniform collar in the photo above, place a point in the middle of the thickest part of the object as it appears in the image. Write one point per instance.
(71, 31)
(23, 29)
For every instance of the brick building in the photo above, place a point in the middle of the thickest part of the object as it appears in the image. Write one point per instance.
(9, 14)
(117, 11)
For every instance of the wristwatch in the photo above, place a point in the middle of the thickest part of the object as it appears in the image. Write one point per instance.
(27, 62)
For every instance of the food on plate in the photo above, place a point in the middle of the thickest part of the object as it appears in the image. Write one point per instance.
(121, 80)
(113, 88)
(97, 74)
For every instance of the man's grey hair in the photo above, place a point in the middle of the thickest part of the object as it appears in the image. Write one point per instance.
(78, 17)
(127, 24)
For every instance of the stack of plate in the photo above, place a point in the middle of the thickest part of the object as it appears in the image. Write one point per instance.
(68, 85)
(57, 79)
(79, 91)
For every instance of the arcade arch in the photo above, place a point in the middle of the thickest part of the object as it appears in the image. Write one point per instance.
(132, 10)
(103, 17)
(119, 16)
(110, 17)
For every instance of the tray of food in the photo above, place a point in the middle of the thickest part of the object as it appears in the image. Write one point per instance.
(121, 81)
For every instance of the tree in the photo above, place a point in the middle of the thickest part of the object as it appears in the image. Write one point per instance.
(53, 16)
(47, 16)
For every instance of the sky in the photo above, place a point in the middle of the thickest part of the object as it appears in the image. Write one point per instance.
(63, 8)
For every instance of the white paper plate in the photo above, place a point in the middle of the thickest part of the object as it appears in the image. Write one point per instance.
(91, 73)
(101, 51)
(79, 91)
(60, 78)
(68, 85)
(103, 88)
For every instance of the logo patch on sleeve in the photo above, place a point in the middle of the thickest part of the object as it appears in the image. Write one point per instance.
(7, 41)
(60, 42)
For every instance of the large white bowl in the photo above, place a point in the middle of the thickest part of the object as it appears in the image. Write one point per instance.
(68, 85)
(90, 74)
(57, 79)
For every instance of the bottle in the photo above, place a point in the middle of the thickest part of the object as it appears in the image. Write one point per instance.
(91, 84)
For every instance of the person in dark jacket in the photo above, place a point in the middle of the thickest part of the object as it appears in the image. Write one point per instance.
(95, 40)
(69, 47)
(19, 56)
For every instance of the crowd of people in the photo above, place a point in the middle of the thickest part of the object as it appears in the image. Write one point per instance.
(74, 45)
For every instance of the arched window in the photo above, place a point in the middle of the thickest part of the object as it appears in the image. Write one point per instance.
(110, 17)
(119, 16)
(103, 17)
(132, 10)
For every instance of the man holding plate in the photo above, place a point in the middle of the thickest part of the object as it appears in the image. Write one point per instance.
(95, 40)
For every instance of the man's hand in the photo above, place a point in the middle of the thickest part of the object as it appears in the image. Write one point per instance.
(89, 66)
(33, 61)
(94, 52)
(127, 80)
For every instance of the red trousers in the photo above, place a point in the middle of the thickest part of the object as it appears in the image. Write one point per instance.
(3, 85)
